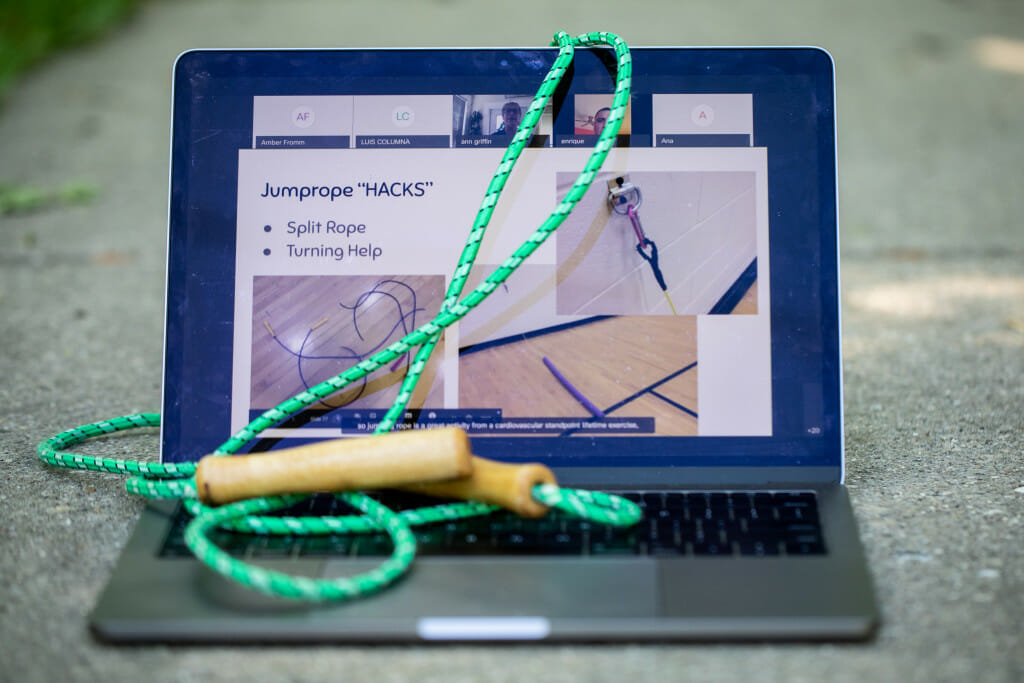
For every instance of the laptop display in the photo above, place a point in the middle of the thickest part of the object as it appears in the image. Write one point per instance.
(683, 318)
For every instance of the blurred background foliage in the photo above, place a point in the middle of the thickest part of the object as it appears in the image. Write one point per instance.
(30, 30)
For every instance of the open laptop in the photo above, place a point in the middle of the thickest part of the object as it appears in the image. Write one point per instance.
(677, 340)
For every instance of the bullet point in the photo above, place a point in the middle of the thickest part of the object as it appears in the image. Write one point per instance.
(266, 252)
(266, 228)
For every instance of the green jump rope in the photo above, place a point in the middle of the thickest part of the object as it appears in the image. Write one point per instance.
(177, 481)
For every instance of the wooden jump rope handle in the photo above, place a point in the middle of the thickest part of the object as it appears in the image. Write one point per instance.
(434, 462)
(497, 483)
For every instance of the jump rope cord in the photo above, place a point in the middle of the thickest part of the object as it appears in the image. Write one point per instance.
(155, 480)
(644, 242)
(621, 196)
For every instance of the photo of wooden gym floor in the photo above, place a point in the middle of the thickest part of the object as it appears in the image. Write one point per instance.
(306, 329)
(636, 366)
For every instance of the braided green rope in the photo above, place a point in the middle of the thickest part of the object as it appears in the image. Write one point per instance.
(177, 481)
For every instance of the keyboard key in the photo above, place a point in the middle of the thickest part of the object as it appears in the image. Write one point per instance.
(470, 543)
(518, 543)
(654, 500)
(787, 514)
(580, 526)
(503, 524)
(717, 513)
(614, 546)
(234, 544)
(741, 501)
(675, 501)
(607, 540)
(430, 540)
(562, 543)
(794, 499)
(758, 548)
(662, 527)
(718, 500)
(689, 530)
(796, 547)
(276, 546)
(712, 547)
(696, 501)
(373, 545)
(331, 544)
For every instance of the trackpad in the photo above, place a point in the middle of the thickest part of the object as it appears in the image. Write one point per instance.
(521, 586)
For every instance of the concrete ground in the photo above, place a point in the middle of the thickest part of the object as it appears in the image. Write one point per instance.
(931, 124)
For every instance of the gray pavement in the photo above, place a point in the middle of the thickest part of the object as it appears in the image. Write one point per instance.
(931, 123)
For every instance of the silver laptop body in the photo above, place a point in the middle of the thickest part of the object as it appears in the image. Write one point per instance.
(726, 379)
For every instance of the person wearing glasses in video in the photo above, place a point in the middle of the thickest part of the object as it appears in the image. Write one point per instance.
(511, 116)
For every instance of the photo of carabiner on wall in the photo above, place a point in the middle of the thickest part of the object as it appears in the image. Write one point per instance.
(625, 198)
(693, 252)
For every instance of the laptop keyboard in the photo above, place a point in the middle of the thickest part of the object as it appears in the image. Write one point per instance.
(699, 523)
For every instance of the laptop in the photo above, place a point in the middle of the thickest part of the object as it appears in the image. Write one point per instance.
(676, 341)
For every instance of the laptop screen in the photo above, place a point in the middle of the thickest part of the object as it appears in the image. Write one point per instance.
(685, 315)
